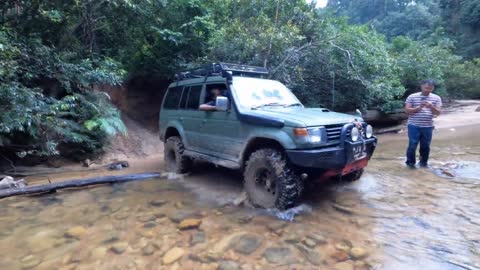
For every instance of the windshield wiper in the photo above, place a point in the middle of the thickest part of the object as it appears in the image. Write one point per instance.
(268, 104)
(293, 104)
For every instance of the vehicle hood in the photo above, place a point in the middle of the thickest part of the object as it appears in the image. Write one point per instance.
(305, 117)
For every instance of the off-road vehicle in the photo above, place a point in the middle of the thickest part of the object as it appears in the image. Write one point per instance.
(261, 128)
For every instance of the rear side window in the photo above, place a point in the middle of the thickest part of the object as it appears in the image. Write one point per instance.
(173, 98)
(183, 101)
(194, 97)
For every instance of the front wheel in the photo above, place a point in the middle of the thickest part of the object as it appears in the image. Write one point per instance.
(175, 160)
(269, 181)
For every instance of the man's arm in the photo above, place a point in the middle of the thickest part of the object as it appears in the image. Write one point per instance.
(207, 107)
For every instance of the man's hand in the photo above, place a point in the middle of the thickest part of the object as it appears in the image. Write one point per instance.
(428, 105)
(409, 109)
(435, 110)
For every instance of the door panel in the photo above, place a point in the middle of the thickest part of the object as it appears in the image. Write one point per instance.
(191, 118)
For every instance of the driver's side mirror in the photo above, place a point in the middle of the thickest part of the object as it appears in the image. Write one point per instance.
(221, 104)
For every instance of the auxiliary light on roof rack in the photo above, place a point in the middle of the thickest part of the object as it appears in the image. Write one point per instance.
(222, 69)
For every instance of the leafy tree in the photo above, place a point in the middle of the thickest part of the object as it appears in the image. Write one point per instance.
(47, 103)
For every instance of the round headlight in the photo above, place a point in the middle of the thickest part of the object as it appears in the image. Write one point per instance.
(369, 132)
(354, 134)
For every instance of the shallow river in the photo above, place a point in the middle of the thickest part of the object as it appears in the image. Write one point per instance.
(393, 218)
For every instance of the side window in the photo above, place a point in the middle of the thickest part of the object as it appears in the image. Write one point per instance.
(210, 91)
(183, 101)
(194, 97)
(173, 98)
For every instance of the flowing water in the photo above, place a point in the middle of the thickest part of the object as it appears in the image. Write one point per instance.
(393, 218)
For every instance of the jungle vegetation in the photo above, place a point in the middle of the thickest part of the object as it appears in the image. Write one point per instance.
(352, 54)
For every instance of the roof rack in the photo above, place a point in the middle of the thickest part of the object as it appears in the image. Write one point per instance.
(222, 69)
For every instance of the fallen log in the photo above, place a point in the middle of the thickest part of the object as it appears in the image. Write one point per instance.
(76, 183)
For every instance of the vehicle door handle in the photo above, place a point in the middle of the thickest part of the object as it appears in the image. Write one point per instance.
(204, 121)
(181, 119)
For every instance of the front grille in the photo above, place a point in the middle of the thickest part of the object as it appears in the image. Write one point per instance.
(334, 133)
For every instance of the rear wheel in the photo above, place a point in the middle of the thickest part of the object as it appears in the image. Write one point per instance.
(269, 181)
(175, 160)
(353, 176)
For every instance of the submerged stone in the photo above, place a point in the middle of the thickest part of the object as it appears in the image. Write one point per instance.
(76, 232)
(228, 265)
(173, 255)
(189, 223)
(247, 244)
(280, 255)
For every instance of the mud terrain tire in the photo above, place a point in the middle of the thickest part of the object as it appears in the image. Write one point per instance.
(353, 176)
(270, 182)
(175, 160)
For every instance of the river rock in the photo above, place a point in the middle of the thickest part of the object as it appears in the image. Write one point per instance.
(111, 237)
(313, 256)
(76, 232)
(148, 250)
(146, 218)
(120, 247)
(150, 224)
(247, 244)
(317, 238)
(197, 238)
(158, 203)
(99, 253)
(148, 234)
(309, 243)
(173, 255)
(30, 261)
(280, 255)
(344, 266)
(228, 265)
(342, 208)
(361, 265)
(182, 214)
(244, 219)
(122, 215)
(276, 226)
(224, 244)
(344, 246)
(358, 253)
(339, 255)
(42, 240)
(179, 205)
(189, 223)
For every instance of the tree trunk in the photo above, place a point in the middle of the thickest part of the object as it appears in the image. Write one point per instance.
(76, 183)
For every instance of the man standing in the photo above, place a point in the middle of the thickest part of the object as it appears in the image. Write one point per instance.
(421, 107)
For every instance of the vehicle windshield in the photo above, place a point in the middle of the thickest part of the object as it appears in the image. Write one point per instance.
(254, 93)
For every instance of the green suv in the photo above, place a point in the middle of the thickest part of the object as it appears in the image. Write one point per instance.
(229, 115)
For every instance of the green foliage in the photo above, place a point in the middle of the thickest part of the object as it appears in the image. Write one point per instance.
(418, 61)
(52, 53)
(463, 80)
(46, 100)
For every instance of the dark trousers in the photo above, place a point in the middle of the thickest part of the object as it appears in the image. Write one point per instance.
(422, 135)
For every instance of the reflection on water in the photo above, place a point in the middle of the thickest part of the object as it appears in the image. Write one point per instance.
(393, 218)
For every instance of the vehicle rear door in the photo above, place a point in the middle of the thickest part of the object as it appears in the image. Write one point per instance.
(191, 117)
